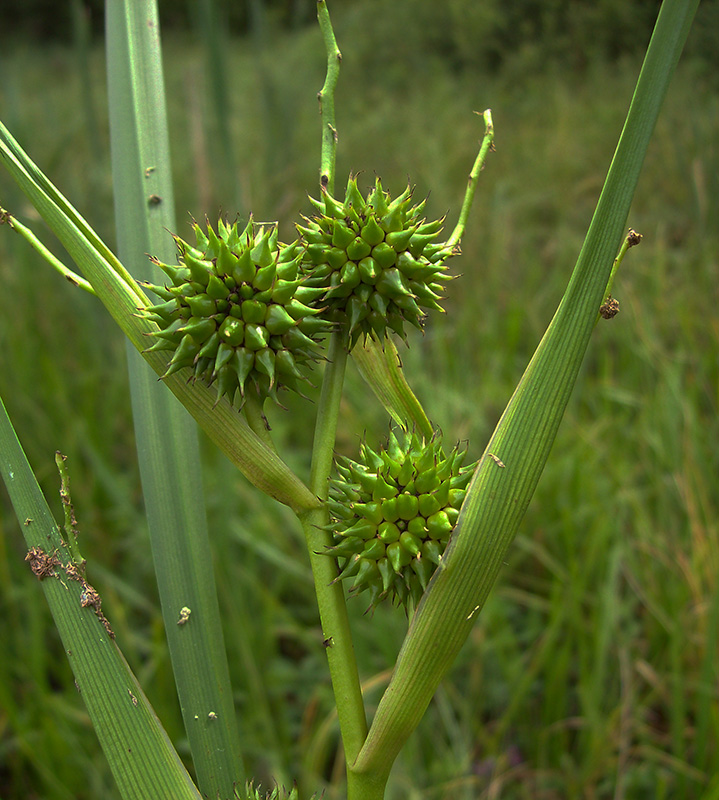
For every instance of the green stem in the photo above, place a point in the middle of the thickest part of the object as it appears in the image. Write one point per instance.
(326, 97)
(499, 494)
(328, 415)
(138, 749)
(36, 244)
(78, 238)
(485, 148)
(330, 594)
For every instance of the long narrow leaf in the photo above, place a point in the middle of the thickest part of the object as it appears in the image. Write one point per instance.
(517, 452)
(137, 748)
(122, 298)
(168, 448)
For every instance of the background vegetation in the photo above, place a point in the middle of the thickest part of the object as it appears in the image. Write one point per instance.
(592, 670)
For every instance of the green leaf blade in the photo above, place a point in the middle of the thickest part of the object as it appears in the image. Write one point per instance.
(123, 298)
(139, 753)
(168, 448)
(510, 468)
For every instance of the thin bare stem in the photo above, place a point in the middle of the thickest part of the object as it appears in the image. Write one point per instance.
(36, 244)
(326, 97)
(485, 148)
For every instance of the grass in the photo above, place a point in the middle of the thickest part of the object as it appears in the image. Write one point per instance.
(591, 672)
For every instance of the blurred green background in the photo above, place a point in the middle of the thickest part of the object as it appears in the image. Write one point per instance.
(592, 672)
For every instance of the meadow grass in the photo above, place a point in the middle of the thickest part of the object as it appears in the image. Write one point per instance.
(591, 672)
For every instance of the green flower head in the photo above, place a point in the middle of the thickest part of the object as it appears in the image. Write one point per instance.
(393, 512)
(380, 258)
(237, 312)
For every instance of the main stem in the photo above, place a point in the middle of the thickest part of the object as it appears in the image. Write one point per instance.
(336, 633)
(330, 594)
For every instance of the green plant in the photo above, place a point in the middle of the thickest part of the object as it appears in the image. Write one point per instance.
(504, 480)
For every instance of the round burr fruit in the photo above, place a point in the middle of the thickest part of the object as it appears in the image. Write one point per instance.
(380, 258)
(238, 313)
(393, 512)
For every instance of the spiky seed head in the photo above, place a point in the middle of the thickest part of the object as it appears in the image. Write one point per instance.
(238, 312)
(380, 258)
(253, 792)
(392, 513)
